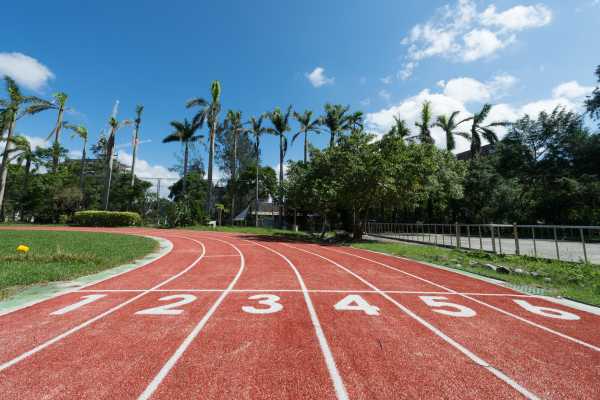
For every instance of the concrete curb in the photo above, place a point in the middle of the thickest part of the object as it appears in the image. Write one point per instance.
(38, 293)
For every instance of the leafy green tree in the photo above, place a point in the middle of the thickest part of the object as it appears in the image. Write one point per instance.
(81, 132)
(235, 133)
(59, 103)
(115, 125)
(281, 126)
(257, 129)
(399, 128)
(12, 109)
(425, 124)
(209, 112)
(185, 133)
(450, 125)
(593, 102)
(479, 129)
(307, 125)
(136, 139)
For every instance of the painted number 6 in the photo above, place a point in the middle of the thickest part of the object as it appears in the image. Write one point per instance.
(459, 310)
(547, 311)
(268, 300)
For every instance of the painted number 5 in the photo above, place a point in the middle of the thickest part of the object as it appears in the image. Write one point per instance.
(268, 300)
(458, 310)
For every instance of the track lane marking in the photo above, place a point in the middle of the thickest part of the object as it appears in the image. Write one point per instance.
(478, 360)
(168, 366)
(90, 321)
(468, 296)
(334, 374)
(309, 291)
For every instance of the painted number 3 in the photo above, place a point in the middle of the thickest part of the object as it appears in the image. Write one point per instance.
(269, 301)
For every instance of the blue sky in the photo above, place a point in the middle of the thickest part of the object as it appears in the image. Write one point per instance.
(383, 57)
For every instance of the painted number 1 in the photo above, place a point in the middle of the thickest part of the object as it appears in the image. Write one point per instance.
(85, 300)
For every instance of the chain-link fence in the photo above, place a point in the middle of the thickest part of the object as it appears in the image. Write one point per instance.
(561, 242)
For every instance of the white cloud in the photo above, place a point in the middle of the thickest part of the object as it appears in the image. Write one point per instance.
(572, 90)
(25, 70)
(36, 142)
(384, 94)
(455, 96)
(386, 80)
(144, 170)
(517, 18)
(461, 33)
(317, 77)
(365, 102)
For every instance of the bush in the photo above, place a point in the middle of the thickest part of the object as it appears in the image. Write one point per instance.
(106, 218)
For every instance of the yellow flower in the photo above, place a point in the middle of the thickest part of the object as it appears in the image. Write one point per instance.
(22, 248)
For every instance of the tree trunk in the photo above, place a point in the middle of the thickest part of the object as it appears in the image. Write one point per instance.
(134, 154)
(233, 177)
(332, 140)
(109, 167)
(56, 146)
(4, 165)
(305, 146)
(257, 169)
(281, 157)
(25, 186)
(211, 154)
(185, 168)
(82, 172)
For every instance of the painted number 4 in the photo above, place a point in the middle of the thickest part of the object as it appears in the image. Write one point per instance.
(354, 302)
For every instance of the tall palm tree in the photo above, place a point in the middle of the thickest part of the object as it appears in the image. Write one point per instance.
(27, 155)
(12, 109)
(336, 120)
(478, 129)
(281, 125)
(425, 124)
(81, 132)
(59, 102)
(355, 120)
(399, 128)
(209, 112)
(185, 133)
(307, 125)
(115, 125)
(449, 125)
(136, 139)
(257, 129)
(234, 127)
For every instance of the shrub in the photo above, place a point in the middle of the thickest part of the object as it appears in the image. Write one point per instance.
(106, 218)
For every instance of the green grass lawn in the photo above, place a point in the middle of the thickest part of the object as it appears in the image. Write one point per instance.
(579, 282)
(281, 233)
(57, 256)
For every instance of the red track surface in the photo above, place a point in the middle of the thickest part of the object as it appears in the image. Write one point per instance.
(296, 338)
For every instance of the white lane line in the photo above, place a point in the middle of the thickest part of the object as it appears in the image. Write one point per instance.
(77, 328)
(309, 291)
(483, 303)
(334, 374)
(481, 362)
(222, 255)
(162, 254)
(164, 371)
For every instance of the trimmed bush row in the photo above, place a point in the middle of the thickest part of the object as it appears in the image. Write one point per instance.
(106, 218)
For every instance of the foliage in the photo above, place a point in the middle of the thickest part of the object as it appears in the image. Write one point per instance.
(106, 218)
(593, 102)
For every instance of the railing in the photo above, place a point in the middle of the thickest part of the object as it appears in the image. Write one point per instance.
(561, 242)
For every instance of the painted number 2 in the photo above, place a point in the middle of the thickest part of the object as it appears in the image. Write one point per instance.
(169, 309)
(270, 301)
(457, 309)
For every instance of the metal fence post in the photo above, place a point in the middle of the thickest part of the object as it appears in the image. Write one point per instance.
(583, 244)
(493, 240)
(469, 235)
(435, 233)
(480, 238)
(534, 244)
(500, 240)
(516, 235)
(556, 243)
(456, 230)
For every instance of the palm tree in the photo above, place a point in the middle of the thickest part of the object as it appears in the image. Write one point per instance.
(307, 125)
(449, 126)
(115, 125)
(209, 112)
(136, 138)
(15, 107)
(60, 99)
(355, 121)
(399, 128)
(281, 125)
(27, 155)
(185, 133)
(425, 124)
(81, 132)
(234, 126)
(257, 130)
(336, 120)
(478, 129)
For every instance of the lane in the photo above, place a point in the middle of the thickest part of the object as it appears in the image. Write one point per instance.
(563, 368)
(393, 354)
(399, 266)
(255, 347)
(27, 328)
(122, 345)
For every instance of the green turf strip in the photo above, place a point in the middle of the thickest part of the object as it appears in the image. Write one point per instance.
(59, 256)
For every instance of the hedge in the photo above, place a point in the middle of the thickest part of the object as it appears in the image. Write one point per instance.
(106, 218)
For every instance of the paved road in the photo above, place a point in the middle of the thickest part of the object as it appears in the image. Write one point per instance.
(571, 251)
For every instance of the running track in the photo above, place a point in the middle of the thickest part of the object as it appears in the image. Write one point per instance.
(227, 316)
